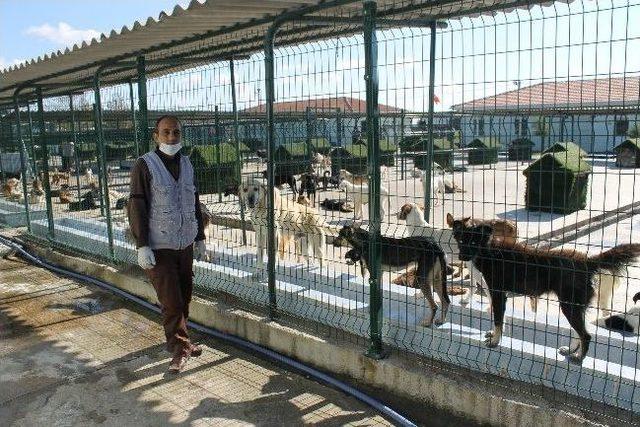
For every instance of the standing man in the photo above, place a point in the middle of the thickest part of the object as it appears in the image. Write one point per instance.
(165, 219)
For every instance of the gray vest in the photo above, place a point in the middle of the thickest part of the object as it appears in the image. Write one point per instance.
(172, 216)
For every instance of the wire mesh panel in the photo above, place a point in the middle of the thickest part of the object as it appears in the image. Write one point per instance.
(457, 189)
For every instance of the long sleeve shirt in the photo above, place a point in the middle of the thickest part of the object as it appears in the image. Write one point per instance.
(140, 198)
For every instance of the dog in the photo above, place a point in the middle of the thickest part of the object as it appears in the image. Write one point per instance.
(309, 184)
(88, 202)
(414, 216)
(345, 175)
(360, 195)
(524, 270)
(290, 218)
(437, 187)
(57, 177)
(231, 190)
(336, 205)
(329, 181)
(504, 230)
(36, 194)
(402, 253)
(628, 322)
(65, 195)
(282, 178)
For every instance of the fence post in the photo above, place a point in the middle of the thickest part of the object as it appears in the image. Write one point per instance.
(102, 164)
(23, 160)
(402, 156)
(45, 164)
(75, 143)
(33, 154)
(2, 139)
(310, 131)
(339, 130)
(95, 127)
(429, 162)
(218, 145)
(373, 166)
(136, 140)
(236, 137)
(142, 104)
(270, 99)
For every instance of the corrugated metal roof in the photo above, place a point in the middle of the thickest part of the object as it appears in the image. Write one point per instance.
(230, 26)
(345, 104)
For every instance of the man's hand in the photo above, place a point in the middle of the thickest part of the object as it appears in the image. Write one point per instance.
(200, 251)
(146, 259)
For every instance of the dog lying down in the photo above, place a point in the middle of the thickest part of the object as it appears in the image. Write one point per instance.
(336, 205)
(397, 254)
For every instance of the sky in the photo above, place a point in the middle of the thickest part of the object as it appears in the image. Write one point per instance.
(31, 28)
(476, 57)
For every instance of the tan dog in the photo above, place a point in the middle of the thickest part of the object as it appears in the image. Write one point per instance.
(345, 175)
(291, 218)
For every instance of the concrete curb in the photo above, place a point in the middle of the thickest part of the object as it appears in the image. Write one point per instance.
(461, 393)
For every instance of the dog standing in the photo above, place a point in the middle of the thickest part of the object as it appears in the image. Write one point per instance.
(513, 267)
(360, 195)
(290, 218)
(503, 230)
(403, 253)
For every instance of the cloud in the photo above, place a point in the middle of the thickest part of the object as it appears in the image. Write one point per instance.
(62, 34)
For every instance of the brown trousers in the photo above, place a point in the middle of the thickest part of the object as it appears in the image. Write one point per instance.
(172, 278)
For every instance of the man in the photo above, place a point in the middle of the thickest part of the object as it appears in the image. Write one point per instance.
(165, 220)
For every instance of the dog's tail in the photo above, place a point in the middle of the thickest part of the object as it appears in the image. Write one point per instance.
(616, 258)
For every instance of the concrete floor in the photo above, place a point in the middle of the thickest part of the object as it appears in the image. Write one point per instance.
(73, 354)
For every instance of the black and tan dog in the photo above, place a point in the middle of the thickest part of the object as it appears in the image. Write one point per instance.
(509, 266)
(403, 253)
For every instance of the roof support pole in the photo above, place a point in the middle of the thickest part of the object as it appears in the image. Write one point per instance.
(23, 159)
(143, 116)
(75, 144)
(373, 171)
(102, 164)
(136, 138)
(429, 162)
(45, 163)
(236, 139)
(1, 150)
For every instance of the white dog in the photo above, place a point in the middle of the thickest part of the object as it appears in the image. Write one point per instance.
(360, 195)
(437, 187)
(291, 219)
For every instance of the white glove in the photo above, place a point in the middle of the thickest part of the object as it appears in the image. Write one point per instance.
(200, 250)
(146, 259)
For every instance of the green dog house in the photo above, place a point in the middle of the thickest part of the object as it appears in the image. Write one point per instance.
(567, 146)
(557, 182)
(628, 153)
(353, 157)
(442, 154)
(520, 149)
(485, 151)
(211, 176)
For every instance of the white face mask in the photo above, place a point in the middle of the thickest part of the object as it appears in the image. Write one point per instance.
(170, 149)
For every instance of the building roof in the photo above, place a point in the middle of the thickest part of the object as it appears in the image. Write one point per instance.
(344, 103)
(214, 30)
(616, 93)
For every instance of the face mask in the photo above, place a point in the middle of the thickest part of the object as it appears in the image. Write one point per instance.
(170, 149)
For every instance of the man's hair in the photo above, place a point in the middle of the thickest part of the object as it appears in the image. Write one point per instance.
(166, 116)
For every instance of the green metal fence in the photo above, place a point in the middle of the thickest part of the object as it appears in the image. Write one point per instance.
(380, 125)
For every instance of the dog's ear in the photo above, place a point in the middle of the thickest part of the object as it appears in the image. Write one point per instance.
(449, 220)
(467, 221)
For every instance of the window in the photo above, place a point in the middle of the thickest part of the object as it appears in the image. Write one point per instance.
(621, 126)
(522, 126)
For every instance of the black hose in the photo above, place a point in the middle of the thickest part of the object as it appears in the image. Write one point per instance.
(232, 339)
